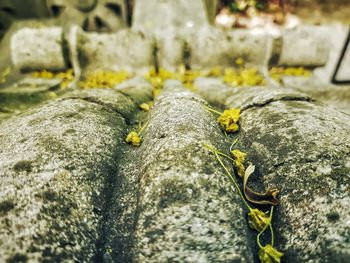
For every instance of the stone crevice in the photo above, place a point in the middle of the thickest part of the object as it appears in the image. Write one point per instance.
(272, 100)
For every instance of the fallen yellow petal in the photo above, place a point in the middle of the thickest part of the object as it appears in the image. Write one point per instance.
(145, 107)
(133, 138)
(228, 120)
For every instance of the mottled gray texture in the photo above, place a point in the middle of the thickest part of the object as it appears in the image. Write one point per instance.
(337, 34)
(214, 90)
(253, 46)
(25, 93)
(153, 16)
(56, 164)
(137, 88)
(337, 96)
(305, 45)
(211, 47)
(124, 50)
(171, 51)
(301, 147)
(187, 211)
(38, 48)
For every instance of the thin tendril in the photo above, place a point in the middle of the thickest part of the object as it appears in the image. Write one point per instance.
(262, 231)
(271, 229)
(225, 134)
(212, 110)
(233, 144)
(220, 153)
(233, 180)
(143, 127)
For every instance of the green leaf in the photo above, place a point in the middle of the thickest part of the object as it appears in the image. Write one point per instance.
(267, 198)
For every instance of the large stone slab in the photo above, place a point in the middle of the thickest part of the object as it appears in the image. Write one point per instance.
(57, 163)
(210, 47)
(124, 50)
(253, 45)
(305, 45)
(38, 48)
(301, 147)
(187, 211)
(172, 50)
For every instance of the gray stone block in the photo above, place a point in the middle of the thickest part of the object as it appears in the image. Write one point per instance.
(210, 47)
(302, 148)
(124, 50)
(213, 89)
(305, 45)
(57, 163)
(171, 51)
(252, 45)
(38, 48)
(187, 211)
(137, 88)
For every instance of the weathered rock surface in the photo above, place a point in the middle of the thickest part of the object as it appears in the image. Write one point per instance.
(25, 93)
(153, 16)
(171, 51)
(124, 50)
(253, 46)
(337, 34)
(214, 90)
(38, 48)
(306, 45)
(187, 211)
(210, 47)
(333, 95)
(137, 88)
(301, 147)
(56, 165)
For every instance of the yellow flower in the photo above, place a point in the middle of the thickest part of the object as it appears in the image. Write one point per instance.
(240, 168)
(228, 120)
(156, 91)
(104, 79)
(213, 72)
(258, 220)
(157, 78)
(239, 61)
(239, 156)
(43, 74)
(239, 161)
(277, 73)
(243, 77)
(145, 107)
(133, 138)
(268, 254)
(67, 77)
(231, 77)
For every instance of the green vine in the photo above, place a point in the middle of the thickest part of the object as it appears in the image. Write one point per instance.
(257, 219)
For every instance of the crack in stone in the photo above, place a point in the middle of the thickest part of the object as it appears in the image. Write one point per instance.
(269, 101)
